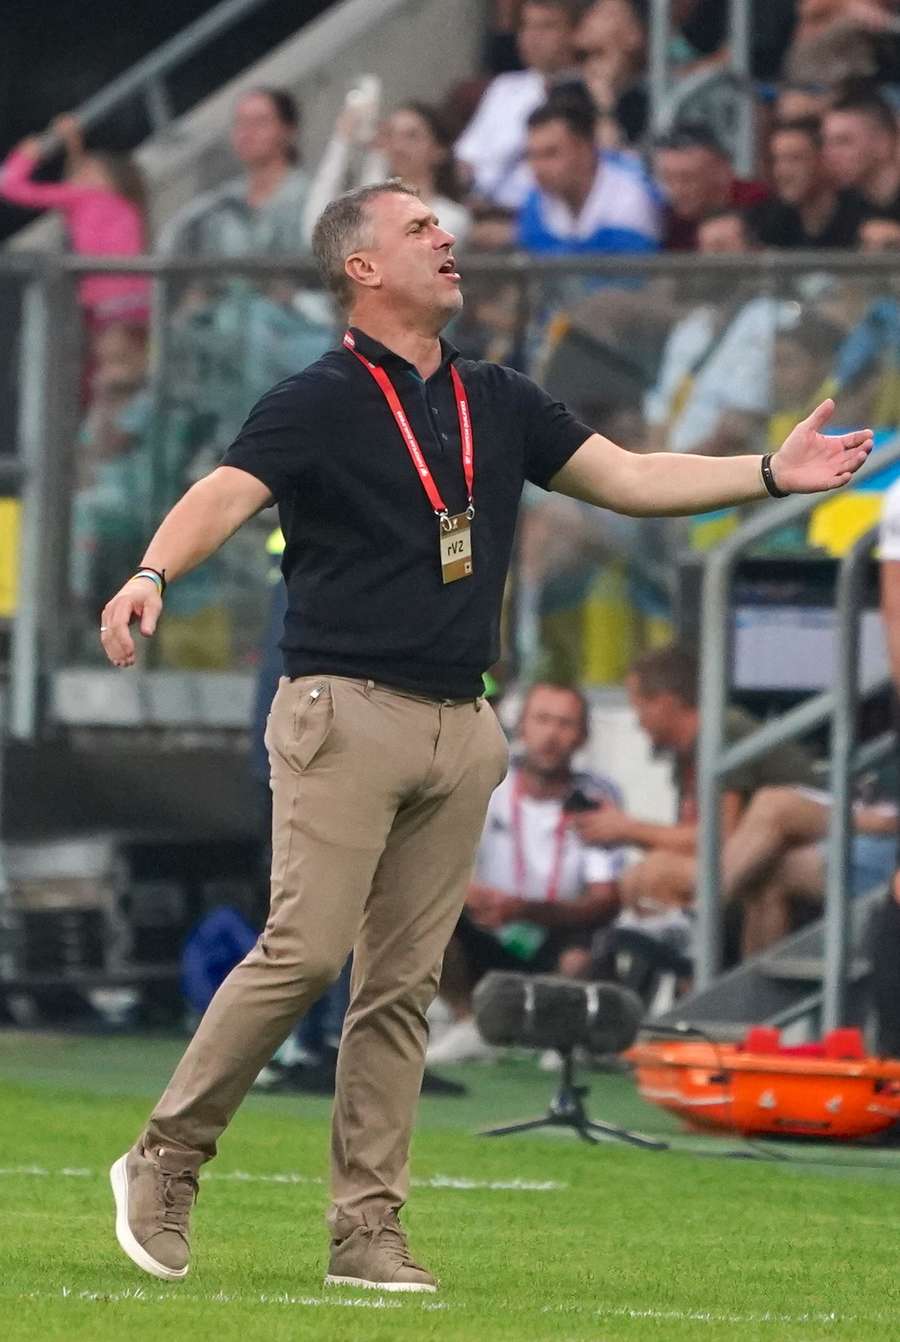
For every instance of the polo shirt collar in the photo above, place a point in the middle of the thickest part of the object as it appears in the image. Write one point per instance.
(376, 353)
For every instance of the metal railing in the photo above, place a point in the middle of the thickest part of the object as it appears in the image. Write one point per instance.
(837, 706)
(667, 101)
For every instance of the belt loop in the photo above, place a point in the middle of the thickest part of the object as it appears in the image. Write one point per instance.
(370, 685)
(479, 703)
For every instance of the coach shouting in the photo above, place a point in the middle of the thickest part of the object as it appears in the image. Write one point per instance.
(397, 468)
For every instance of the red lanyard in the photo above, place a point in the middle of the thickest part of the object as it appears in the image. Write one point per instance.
(519, 863)
(407, 433)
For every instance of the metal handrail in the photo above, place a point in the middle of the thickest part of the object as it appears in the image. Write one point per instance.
(147, 75)
(753, 267)
(715, 761)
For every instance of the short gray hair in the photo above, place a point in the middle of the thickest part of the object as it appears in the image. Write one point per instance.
(343, 227)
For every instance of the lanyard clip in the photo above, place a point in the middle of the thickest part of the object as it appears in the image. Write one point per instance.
(470, 511)
(446, 524)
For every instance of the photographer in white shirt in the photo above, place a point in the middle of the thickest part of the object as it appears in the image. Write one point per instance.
(538, 891)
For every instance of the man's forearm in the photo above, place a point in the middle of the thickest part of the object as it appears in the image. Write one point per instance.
(196, 527)
(675, 484)
(671, 838)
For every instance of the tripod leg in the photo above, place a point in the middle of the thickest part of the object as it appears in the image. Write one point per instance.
(623, 1135)
(530, 1126)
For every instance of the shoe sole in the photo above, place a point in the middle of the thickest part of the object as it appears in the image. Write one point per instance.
(407, 1286)
(136, 1252)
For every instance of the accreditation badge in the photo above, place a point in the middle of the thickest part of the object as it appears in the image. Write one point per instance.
(456, 547)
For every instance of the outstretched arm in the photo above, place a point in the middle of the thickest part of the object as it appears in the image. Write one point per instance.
(211, 511)
(672, 485)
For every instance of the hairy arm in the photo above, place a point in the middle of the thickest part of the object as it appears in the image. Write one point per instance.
(212, 510)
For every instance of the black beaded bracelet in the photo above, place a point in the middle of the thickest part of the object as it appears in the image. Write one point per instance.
(768, 478)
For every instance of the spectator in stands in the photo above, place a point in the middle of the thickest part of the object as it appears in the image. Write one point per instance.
(611, 48)
(695, 175)
(807, 209)
(886, 930)
(585, 200)
(861, 151)
(662, 687)
(259, 212)
(102, 203)
(413, 144)
(714, 383)
(493, 144)
(840, 40)
(538, 891)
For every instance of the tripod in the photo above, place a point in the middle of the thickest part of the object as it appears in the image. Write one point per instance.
(567, 1111)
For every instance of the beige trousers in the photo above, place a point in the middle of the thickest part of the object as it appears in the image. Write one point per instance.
(379, 799)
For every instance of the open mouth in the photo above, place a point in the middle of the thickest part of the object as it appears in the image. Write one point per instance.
(449, 268)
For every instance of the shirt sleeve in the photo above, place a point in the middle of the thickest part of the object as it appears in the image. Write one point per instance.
(17, 186)
(551, 433)
(270, 445)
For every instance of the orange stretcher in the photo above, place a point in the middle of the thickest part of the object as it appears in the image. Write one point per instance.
(827, 1090)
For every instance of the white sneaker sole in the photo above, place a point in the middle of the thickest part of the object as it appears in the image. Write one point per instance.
(127, 1242)
(407, 1286)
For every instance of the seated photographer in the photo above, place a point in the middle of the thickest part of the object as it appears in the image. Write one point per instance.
(538, 892)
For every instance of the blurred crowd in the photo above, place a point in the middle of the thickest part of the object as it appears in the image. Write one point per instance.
(549, 150)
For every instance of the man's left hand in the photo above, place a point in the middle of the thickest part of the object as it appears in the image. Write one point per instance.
(810, 461)
(607, 826)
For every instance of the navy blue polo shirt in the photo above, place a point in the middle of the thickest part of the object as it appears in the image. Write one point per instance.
(361, 558)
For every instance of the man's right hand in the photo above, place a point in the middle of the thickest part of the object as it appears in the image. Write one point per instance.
(140, 600)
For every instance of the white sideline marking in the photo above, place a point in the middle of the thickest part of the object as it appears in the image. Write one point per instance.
(243, 1177)
(142, 1296)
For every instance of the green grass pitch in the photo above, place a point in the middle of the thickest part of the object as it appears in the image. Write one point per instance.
(535, 1239)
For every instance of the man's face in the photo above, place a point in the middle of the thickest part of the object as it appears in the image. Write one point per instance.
(695, 180)
(723, 236)
(258, 136)
(408, 258)
(551, 730)
(544, 37)
(559, 160)
(796, 166)
(656, 713)
(853, 146)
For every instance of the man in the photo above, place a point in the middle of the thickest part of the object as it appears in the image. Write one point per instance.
(537, 890)
(585, 200)
(492, 146)
(807, 209)
(662, 688)
(714, 384)
(611, 47)
(694, 173)
(860, 142)
(383, 752)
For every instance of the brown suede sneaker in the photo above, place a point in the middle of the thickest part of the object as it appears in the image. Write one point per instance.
(377, 1257)
(154, 1193)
